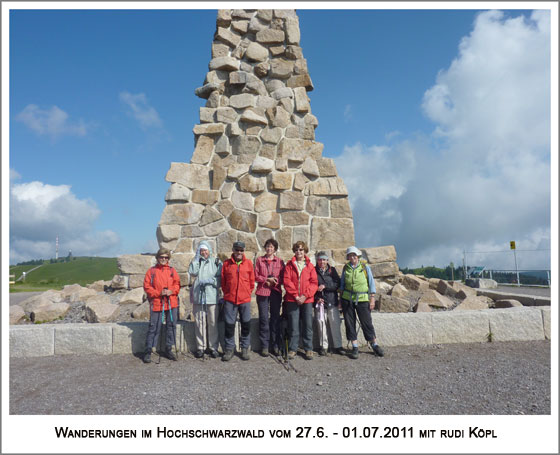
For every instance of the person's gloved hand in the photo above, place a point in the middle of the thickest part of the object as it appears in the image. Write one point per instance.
(206, 281)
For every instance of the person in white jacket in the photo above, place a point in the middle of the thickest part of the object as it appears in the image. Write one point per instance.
(204, 296)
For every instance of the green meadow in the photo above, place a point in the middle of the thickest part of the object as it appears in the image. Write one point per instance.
(56, 275)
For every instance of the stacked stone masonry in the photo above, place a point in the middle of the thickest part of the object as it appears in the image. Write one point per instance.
(256, 171)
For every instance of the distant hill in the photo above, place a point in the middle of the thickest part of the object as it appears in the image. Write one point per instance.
(55, 275)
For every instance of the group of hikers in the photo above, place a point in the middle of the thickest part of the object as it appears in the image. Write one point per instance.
(311, 292)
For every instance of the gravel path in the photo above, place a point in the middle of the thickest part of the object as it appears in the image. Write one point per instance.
(485, 378)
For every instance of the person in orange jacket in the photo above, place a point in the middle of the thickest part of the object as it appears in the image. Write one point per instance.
(162, 285)
(238, 282)
(300, 284)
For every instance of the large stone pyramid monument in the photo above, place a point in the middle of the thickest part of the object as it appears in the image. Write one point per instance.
(256, 171)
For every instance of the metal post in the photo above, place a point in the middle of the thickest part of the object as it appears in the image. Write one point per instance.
(516, 270)
(548, 277)
(464, 265)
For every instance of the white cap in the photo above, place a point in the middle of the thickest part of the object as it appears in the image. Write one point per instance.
(353, 249)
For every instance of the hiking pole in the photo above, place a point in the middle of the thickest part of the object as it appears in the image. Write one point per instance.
(173, 325)
(160, 323)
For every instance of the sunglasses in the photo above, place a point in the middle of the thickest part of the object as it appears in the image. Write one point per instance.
(239, 251)
(163, 257)
(300, 249)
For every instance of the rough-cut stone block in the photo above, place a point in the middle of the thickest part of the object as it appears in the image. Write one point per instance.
(249, 116)
(224, 241)
(516, 324)
(100, 309)
(507, 303)
(226, 115)
(327, 233)
(216, 228)
(402, 329)
(446, 288)
(136, 280)
(130, 337)
(191, 231)
(243, 221)
(435, 299)
(413, 283)
(262, 165)
(294, 218)
(481, 283)
(119, 282)
(378, 254)
(393, 304)
(265, 202)
(300, 80)
(329, 186)
(242, 201)
(224, 17)
(399, 290)
(384, 269)
(280, 181)
(292, 30)
(16, 314)
(132, 297)
(301, 99)
(269, 220)
(83, 339)
(190, 175)
(317, 206)
(546, 322)
(32, 341)
(188, 213)
(252, 184)
(205, 197)
(422, 307)
(256, 52)
(291, 200)
(463, 327)
(209, 215)
(270, 36)
(471, 303)
(245, 145)
(203, 150)
(231, 39)
(206, 91)
(178, 193)
(210, 129)
(181, 262)
(310, 167)
(281, 68)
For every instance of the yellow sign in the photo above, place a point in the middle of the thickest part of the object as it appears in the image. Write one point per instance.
(512, 245)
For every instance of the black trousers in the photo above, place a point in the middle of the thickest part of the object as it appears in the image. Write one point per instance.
(364, 315)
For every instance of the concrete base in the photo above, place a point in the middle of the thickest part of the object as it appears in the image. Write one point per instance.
(392, 329)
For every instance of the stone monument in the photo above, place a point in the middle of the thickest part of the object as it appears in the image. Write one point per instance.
(256, 171)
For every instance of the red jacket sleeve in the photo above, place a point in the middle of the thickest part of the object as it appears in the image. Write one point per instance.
(313, 284)
(290, 280)
(151, 292)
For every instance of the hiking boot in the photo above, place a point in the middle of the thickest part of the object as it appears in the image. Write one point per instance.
(245, 353)
(292, 355)
(354, 353)
(227, 355)
(170, 354)
(339, 351)
(275, 352)
(322, 352)
(264, 352)
(199, 354)
(308, 355)
(214, 354)
(377, 350)
(147, 357)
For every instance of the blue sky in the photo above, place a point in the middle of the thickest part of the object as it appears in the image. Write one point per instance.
(438, 120)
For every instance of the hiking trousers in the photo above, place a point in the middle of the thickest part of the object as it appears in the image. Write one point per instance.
(230, 316)
(206, 326)
(270, 334)
(328, 329)
(295, 313)
(155, 328)
(364, 315)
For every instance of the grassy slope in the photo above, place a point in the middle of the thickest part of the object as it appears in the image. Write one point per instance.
(81, 270)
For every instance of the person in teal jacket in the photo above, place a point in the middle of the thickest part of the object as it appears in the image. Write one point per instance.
(358, 298)
(207, 271)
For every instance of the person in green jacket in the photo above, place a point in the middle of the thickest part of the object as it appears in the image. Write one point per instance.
(358, 297)
(207, 271)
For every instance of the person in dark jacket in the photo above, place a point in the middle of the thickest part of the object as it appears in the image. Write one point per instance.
(327, 306)
(300, 284)
(238, 283)
(162, 285)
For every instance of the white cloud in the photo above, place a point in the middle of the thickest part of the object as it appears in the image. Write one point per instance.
(483, 179)
(140, 109)
(39, 212)
(51, 122)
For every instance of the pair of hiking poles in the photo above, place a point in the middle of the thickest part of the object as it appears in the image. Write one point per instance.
(174, 328)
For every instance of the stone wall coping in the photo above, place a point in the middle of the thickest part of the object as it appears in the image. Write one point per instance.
(393, 329)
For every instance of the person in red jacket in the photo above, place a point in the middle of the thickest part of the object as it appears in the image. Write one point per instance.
(300, 284)
(162, 285)
(238, 282)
